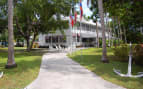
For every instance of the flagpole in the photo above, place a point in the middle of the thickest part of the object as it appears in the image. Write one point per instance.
(75, 35)
(80, 39)
(71, 40)
(71, 27)
(70, 34)
(81, 13)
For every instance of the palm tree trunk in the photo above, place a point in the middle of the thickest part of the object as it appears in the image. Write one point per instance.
(101, 13)
(10, 62)
(109, 34)
(125, 37)
(97, 35)
(108, 29)
(115, 32)
(118, 31)
(112, 37)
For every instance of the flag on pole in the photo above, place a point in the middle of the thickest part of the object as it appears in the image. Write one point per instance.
(81, 10)
(71, 20)
(75, 17)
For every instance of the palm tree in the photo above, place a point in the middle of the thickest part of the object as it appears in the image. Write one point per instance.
(10, 63)
(97, 34)
(101, 13)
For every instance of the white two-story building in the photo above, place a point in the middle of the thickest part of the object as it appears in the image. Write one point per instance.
(83, 34)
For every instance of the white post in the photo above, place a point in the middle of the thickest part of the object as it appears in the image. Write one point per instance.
(70, 33)
(75, 38)
(130, 62)
(58, 42)
(80, 39)
(71, 42)
(51, 47)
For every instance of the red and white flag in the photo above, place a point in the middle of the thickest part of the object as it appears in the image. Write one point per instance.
(71, 20)
(75, 17)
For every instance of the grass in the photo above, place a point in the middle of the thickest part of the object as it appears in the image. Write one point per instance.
(27, 70)
(91, 60)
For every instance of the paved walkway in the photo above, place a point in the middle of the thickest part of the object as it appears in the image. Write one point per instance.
(60, 72)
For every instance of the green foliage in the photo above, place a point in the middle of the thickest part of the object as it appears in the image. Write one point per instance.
(100, 42)
(94, 9)
(121, 52)
(4, 36)
(134, 37)
(3, 25)
(3, 16)
(44, 14)
(138, 54)
(3, 8)
(33, 17)
(125, 14)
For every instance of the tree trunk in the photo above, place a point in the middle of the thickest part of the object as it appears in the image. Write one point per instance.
(97, 35)
(10, 62)
(115, 32)
(112, 36)
(125, 37)
(108, 29)
(34, 37)
(118, 31)
(28, 44)
(109, 35)
(104, 51)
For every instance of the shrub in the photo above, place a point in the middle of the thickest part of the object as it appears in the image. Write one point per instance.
(138, 54)
(121, 52)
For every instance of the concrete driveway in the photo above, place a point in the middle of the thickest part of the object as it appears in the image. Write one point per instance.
(60, 72)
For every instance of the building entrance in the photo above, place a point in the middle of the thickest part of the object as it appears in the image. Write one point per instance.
(89, 42)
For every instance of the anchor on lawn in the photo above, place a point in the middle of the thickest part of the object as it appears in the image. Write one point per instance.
(129, 74)
(1, 74)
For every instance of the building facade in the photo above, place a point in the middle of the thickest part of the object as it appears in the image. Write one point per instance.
(83, 34)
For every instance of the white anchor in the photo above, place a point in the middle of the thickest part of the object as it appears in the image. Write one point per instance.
(1, 74)
(129, 73)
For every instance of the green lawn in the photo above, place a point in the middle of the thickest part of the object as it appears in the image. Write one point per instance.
(27, 70)
(91, 60)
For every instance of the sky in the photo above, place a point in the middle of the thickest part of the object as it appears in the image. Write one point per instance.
(86, 10)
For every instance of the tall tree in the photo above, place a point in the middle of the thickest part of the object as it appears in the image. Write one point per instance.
(95, 17)
(31, 19)
(11, 62)
(101, 13)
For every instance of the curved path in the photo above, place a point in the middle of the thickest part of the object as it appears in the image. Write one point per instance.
(60, 72)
